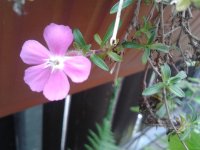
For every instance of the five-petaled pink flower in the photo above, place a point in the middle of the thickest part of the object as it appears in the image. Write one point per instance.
(52, 67)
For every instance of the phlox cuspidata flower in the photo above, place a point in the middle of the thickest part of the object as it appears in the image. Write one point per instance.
(52, 68)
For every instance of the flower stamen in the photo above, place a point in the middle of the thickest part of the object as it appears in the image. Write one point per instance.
(55, 62)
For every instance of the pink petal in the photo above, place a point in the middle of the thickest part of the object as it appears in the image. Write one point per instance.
(77, 68)
(58, 38)
(36, 77)
(57, 87)
(33, 52)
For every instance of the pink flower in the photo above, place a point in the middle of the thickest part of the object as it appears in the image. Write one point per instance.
(51, 67)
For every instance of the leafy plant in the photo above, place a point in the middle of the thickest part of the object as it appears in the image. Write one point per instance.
(168, 82)
(103, 139)
(148, 46)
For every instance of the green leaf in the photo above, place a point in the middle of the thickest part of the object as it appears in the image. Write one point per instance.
(99, 62)
(181, 75)
(126, 3)
(152, 36)
(78, 38)
(192, 79)
(161, 111)
(145, 55)
(182, 5)
(135, 109)
(114, 56)
(191, 141)
(160, 47)
(109, 33)
(97, 39)
(156, 88)
(132, 44)
(174, 80)
(176, 90)
(166, 72)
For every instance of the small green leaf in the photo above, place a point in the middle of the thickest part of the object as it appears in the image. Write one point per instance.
(160, 47)
(78, 38)
(192, 79)
(182, 5)
(174, 80)
(156, 88)
(176, 90)
(126, 3)
(135, 109)
(145, 55)
(109, 33)
(161, 111)
(181, 75)
(114, 56)
(97, 38)
(99, 62)
(152, 36)
(166, 72)
(132, 44)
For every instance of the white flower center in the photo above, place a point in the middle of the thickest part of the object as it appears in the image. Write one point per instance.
(55, 62)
